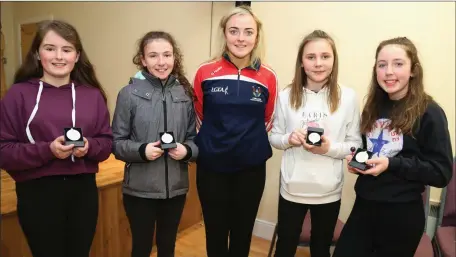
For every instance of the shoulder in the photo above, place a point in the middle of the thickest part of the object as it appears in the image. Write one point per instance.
(89, 92)
(17, 91)
(347, 92)
(205, 69)
(434, 112)
(284, 94)
(267, 71)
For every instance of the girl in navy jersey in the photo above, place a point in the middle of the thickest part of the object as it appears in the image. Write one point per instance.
(407, 132)
(235, 100)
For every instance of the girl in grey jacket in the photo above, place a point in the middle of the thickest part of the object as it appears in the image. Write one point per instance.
(153, 128)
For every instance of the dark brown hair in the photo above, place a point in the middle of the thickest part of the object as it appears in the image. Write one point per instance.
(83, 71)
(300, 77)
(407, 111)
(178, 69)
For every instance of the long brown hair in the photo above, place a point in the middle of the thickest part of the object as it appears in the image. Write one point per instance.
(83, 71)
(178, 69)
(407, 111)
(300, 77)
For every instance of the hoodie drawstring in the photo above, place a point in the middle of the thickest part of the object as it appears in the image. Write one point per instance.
(35, 109)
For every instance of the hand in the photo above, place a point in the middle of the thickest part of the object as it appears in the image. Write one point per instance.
(296, 137)
(178, 153)
(152, 151)
(81, 151)
(350, 169)
(324, 148)
(378, 166)
(60, 150)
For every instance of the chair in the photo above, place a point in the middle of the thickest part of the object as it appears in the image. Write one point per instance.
(425, 248)
(445, 235)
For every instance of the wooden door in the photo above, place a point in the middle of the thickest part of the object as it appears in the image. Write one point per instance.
(28, 32)
(2, 66)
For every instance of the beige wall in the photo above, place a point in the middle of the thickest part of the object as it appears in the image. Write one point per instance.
(357, 29)
(110, 30)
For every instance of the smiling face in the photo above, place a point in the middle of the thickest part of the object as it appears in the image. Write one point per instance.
(240, 35)
(317, 61)
(158, 58)
(393, 68)
(57, 56)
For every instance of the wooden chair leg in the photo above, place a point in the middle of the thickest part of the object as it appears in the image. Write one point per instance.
(273, 241)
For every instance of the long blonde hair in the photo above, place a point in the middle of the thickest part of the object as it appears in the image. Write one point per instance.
(300, 77)
(258, 50)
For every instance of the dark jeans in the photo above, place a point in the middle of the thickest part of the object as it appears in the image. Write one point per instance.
(58, 214)
(382, 230)
(289, 227)
(143, 214)
(230, 204)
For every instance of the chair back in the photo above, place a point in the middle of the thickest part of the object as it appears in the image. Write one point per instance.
(447, 210)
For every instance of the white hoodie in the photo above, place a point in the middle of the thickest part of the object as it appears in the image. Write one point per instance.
(312, 178)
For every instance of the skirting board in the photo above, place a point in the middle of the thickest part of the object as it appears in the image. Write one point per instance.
(263, 229)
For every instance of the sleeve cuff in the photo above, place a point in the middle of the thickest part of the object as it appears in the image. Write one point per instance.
(394, 164)
(189, 153)
(142, 151)
(286, 144)
(332, 151)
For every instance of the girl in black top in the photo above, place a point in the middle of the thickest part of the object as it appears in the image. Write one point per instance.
(407, 132)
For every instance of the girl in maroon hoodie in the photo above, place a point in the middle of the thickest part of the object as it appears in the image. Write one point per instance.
(55, 88)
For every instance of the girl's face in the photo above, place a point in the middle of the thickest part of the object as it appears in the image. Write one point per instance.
(317, 61)
(57, 56)
(158, 58)
(240, 35)
(393, 70)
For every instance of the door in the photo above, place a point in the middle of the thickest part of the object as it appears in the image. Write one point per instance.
(2, 66)
(28, 32)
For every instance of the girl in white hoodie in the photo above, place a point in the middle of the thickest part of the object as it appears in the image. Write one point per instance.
(312, 176)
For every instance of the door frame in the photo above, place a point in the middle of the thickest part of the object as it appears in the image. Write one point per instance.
(18, 29)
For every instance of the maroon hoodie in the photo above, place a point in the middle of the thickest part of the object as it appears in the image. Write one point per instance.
(27, 157)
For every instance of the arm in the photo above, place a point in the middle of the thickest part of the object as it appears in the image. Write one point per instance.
(271, 104)
(338, 150)
(100, 145)
(192, 149)
(279, 138)
(16, 155)
(123, 148)
(435, 168)
(198, 101)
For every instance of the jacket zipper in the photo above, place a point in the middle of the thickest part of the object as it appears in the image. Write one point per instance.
(238, 81)
(165, 125)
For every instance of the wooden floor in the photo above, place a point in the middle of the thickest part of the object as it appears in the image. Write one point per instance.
(191, 243)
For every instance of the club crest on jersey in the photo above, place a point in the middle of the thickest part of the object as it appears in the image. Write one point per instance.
(256, 91)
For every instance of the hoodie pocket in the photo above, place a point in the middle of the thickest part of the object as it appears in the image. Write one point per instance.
(314, 178)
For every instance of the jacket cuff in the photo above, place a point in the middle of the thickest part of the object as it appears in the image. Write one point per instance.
(189, 153)
(142, 152)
